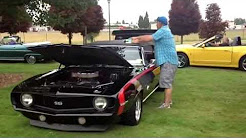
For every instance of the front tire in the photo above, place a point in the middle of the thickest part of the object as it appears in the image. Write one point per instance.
(133, 116)
(31, 59)
(242, 63)
(183, 60)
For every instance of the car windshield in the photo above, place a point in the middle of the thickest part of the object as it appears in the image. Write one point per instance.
(199, 42)
(9, 41)
(131, 54)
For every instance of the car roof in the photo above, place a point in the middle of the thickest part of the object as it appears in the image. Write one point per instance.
(125, 34)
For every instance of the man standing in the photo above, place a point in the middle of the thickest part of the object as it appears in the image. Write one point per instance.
(165, 55)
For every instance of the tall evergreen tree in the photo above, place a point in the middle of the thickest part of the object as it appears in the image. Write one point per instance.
(146, 21)
(123, 22)
(141, 22)
(184, 17)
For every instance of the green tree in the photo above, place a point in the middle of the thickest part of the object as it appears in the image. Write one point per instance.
(91, 22)
(239, 21)
(14, 18)
(213, 24)
(66, 16)
(184, 17)
(146, 23)
(141, 22)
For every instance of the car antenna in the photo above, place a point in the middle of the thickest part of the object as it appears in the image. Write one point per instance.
(60, 66)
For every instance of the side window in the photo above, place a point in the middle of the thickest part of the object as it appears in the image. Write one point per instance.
(148, 53)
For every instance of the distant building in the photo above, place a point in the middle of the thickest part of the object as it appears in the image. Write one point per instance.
(40, 28)
(237, 27)
(231, 25)
(153, 25)
(119, 26)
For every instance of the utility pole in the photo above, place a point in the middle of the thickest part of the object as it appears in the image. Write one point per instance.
(109, 26)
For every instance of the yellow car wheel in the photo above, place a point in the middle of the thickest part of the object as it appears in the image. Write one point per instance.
(242, 63)
(183, 60)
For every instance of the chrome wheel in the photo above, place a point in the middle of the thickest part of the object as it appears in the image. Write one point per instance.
(244, 64)
(132, 117)
(138, 109)
(31, 59)
(182, 61)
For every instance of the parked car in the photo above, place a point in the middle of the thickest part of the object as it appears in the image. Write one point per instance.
(125, 34)
(204, 54)
(12, 49)
(98, 82)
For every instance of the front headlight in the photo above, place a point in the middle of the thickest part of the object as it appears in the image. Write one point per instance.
(100, 103)
(26, 100)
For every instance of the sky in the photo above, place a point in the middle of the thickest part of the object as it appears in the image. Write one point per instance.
(129, 10)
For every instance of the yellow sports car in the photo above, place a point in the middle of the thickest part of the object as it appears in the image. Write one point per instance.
(206, 53)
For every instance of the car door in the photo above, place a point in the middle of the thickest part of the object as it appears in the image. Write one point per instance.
(151, 79)
(5, 52)
(20, 51)
(216, 55)
(2, 53)
(14, 52)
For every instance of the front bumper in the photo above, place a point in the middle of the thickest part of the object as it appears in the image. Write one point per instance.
(69, 122)
(69, 127)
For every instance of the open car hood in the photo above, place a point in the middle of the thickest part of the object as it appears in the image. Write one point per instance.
(81, 55)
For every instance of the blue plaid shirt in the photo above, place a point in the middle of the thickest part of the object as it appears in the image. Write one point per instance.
(165, 50)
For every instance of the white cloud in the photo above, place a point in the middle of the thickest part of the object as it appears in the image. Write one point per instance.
(129, 10)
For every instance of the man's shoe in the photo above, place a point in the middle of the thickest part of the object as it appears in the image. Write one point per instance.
(171, 103)
(163, 106)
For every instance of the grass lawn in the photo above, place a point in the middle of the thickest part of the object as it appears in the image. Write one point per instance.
(208, 102)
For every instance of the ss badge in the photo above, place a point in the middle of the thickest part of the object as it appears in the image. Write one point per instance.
(58, 103)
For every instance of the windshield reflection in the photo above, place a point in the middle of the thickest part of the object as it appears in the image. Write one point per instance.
(131, 54)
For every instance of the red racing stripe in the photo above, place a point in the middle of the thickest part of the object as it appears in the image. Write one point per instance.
(121, 95)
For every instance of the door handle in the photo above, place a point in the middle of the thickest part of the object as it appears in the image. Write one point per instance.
(227, 50)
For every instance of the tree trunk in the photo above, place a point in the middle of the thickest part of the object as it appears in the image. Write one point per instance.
(182, 39)
(70, 36)
(85, 36)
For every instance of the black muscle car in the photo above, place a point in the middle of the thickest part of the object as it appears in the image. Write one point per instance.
(97, 83)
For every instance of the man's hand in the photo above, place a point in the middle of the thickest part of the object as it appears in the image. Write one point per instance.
(135, 40)
(142, 39)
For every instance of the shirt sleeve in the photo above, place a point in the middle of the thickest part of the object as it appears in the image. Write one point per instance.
(158, 34)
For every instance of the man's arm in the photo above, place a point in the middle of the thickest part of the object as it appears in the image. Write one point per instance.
(142, 39)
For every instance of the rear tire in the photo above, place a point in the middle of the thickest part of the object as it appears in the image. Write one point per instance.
(133, 116)
(242, 63)
(183, 60)
(31, 59)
